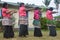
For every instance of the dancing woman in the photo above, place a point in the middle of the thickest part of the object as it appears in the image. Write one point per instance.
(51, 22)
(36, 22)
(22, 20)
(7, 22)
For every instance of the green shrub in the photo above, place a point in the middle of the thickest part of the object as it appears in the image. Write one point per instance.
(44, 23)
(58, 24)
(44, 9)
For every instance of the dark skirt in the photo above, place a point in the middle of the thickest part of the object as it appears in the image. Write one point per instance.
(8, 32)
(37, 32)
(52, 31)
(23, 30)
(26, 29)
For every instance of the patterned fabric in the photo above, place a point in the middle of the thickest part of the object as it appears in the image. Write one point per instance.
(36, 22)
(23, 20)
(7, 21)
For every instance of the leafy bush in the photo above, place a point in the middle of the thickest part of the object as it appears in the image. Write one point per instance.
(44, 9)
(58, 24)
(43, 23)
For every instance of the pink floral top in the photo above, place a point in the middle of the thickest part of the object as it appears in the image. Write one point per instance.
(36, 14)
(4, 14)
(49, 15)
(22, 11)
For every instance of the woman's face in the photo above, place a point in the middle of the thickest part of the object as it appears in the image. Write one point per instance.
(7, 6)
(23, 5)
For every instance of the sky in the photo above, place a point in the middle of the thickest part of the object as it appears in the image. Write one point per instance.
(52, 4)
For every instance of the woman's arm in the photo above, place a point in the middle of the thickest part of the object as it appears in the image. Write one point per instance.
(8, 11)
(13, 11)
(54, 12)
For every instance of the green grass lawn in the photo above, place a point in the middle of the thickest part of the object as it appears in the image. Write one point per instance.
(31, 37)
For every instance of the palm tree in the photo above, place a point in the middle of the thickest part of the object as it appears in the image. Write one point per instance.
(47, 2)
(57, 3)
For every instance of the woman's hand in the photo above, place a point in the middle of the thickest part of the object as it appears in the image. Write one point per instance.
(13, 11)
(8, 11)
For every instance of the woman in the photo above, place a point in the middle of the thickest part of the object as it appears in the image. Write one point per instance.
(22, 20)
(51, 22)
(36, 22)
(7, 22)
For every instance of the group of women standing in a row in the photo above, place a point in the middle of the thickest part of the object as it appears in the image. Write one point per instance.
(23, 21)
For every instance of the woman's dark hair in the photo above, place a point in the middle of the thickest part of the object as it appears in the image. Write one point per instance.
(36, 8)
(4, 5)
(50, 9)
(21, 4)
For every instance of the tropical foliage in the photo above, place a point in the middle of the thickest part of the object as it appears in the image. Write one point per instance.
(47, 2)
(44, 23)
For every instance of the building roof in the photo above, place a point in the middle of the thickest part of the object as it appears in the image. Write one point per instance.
(17, 4)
